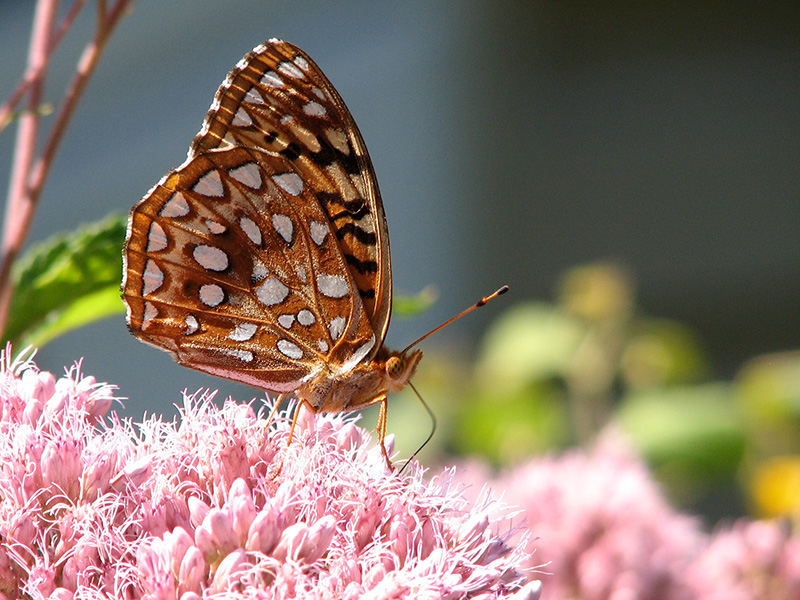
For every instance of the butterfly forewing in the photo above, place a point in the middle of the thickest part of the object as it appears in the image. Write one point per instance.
(278, 100)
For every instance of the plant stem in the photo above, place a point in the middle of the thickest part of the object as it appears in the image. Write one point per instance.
(20, 202)
(29, 174)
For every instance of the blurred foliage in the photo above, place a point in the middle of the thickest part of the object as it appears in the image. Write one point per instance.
(550, 375)
(407, 306)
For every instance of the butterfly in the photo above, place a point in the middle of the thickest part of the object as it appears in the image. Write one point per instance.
(264, 257)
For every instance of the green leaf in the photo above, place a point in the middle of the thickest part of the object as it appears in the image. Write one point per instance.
(530, 342)
(692, 435)
(660, 352)
(697, 424)
(408, 306)
(511, 427)
(67, 281)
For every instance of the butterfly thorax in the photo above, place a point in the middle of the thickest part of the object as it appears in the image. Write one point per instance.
(365, 384)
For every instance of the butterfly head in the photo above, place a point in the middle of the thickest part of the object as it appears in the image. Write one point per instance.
(400, 368)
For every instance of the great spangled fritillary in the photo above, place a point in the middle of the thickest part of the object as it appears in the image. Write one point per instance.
(264, 257)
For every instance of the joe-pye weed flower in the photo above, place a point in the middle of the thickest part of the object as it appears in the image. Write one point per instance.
(93, 507)
(604, 531)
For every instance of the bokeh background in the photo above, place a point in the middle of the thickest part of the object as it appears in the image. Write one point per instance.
(512, 141)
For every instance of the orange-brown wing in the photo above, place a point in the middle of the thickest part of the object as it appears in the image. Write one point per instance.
(231, 266)
(277, 100)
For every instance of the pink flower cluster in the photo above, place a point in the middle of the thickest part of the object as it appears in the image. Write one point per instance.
(752, 560)
(216, 505)
(604, 532)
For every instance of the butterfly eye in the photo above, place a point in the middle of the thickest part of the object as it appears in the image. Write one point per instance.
(394, 367)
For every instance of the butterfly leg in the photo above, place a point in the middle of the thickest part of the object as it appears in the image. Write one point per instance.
(381, 430)
(278, 400)
(294, 419)
(291, 429)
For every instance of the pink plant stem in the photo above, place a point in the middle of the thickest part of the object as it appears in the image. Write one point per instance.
(34, 74)
(86, 66)
(20, 201)
(28, 177)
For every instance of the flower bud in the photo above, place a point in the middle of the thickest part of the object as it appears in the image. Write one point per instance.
(229, 570)
(374, 576)
(348, 437)
(97, 475)
(56, 403)
(471, 531)
(60, 593)
(318, 539)
(61, 466)
(531, 591)
(97, 398)
(215, 537)
(197, 510)
(265, 531)
(134, 473)
(192, 572)
(353, 591)
(367, 519)
(291, 540)
(22, 529)
(242, 509)
(178, 542)
(84, 558)
(33, 410)
(400, 536)
(221, 528)
(37, 386)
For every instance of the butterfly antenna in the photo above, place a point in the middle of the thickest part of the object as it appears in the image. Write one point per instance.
(430, 435)
(478, 304)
